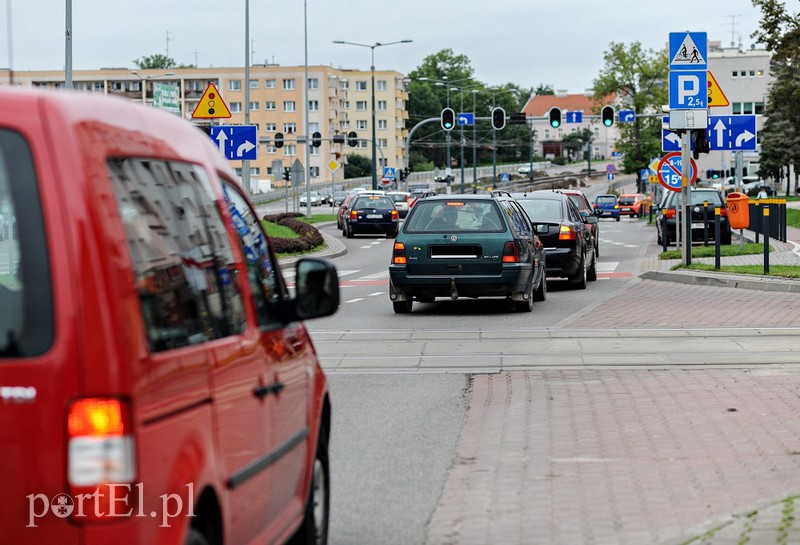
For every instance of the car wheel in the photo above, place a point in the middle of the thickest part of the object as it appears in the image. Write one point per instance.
(579, 280)
(591, 274)
(348, 231)
(527, 304)
(402, 307)
(597, 249)
(541, 291)
(344, 230)
(314, 528)
(617, 218)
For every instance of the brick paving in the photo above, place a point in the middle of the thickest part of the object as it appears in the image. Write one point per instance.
(622, 457)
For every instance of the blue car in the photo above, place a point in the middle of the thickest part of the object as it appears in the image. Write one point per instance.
(606, 206)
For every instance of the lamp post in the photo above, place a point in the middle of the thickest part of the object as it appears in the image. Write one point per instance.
(372, 70)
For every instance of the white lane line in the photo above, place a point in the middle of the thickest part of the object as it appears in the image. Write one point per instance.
(631, 246)
(377, 242)
(346, 272)
(355, 300)
(366, 247)
(607, 266)
(376, 293)
(375, 276)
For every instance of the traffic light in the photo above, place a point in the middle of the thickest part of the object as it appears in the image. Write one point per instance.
(316, 140)
(278, 139)
(713, 174)
(498, 118)
(607, 115)
(401, 173)
(287, 174)
(699, 143)
(352, 139)
(555, 117)
(448, 119)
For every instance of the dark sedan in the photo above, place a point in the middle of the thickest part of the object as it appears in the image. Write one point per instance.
(567, 240)
(371, 214)
(701, 218)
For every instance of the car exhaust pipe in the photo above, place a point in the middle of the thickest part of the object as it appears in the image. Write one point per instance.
(453, 290)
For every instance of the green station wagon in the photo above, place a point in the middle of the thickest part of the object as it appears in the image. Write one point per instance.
(467, 246)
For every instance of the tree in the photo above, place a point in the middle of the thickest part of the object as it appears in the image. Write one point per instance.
(576, 141)
(638, 79)
(157, 62)
(780, 33)
(357, 166)
(544, 89)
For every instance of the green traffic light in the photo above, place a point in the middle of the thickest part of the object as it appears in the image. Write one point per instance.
(448, 125)
(607, 122)
(555, 124)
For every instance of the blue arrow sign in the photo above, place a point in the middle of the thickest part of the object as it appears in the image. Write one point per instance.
(389, 173)
(237, 142)
(725, 132)
(688, 51)
(574, 117)
(466, 118)
(627, 116)
(732, 132)
(688, 89)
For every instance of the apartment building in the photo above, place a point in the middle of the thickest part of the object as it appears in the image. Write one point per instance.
(339, 101)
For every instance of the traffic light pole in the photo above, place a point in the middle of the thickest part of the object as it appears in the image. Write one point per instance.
(462, 158)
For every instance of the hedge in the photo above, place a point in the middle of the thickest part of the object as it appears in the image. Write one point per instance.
(309, 238)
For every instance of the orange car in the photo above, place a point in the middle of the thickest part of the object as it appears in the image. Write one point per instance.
(634, 204)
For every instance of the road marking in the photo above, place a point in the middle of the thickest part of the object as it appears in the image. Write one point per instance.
(376, 293)
(631, 246)
(377, 242)
(375, 276)
(607, 266)
(355, 300)
(366, 247)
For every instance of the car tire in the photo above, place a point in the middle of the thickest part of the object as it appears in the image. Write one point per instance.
(591, 274)
(579, 280)
(541, 291)
(195, 537)
(402, 307)
(314, 528)
(526, 305)
(597, 249)
(617, 218)
(348, 231)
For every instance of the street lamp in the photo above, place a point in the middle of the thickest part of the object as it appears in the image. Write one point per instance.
(372, 69)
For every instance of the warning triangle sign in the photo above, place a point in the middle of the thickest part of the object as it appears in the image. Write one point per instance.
(715, 95)
(211, 105)
(688, 54)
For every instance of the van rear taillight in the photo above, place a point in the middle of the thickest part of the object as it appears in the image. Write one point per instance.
(510, 252)
(399, 254)
(101, 453)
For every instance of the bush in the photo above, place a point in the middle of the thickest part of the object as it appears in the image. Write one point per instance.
(309, 236)
(559, 161)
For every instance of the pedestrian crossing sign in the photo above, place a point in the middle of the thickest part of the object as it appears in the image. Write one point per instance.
(688, 51)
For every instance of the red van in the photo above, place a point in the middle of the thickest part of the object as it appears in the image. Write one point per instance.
(157, 384)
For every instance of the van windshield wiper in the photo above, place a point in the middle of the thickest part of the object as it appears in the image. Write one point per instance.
(11, 347)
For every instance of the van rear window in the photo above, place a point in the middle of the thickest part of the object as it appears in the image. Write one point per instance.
(26, 305)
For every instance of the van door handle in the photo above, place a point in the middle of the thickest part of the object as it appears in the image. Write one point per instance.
(262, 391)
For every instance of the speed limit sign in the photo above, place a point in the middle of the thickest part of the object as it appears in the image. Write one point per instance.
(670, 171)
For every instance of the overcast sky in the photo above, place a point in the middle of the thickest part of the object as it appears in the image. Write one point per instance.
(527, 42)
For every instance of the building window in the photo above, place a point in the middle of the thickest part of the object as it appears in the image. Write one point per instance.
(313, 127)
(254, 84)
(313, 105)
(289, 128)
(314, 151)
(734, 74)
(314, 172)
(597, 132)
(346, 124)
(288, 85)
(345, 104)
(313, 83)
(383, 143)
(381, 85)
(271, 148)
(747, 107)
(363, 144)
(236, 107)
(235, 85)
(288, 106)
(759, 108)
(345, 84)
(752, 73)
(271, 127)
(382, 105)
(547, 134)
(737, 107)
(269, 84)
(255, 171)
(270, 105)
(290, 150)
(361, 124)
(361, 86)
(382, 124)
(361, 105)
(253, 106)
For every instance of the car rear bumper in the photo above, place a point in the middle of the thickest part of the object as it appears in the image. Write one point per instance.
(562, 262)
(606, 213)
(373, 228)
(513, 279)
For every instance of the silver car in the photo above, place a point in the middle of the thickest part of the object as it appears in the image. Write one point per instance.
(401, 200)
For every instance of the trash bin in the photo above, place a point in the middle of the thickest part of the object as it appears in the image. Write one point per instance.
(738, 210)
